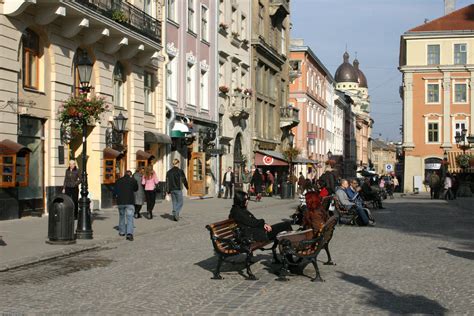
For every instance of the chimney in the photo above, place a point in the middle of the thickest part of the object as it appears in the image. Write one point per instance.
(449, 6)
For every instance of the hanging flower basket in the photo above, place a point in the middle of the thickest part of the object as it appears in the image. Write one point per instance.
(77, 110)
(464, 161)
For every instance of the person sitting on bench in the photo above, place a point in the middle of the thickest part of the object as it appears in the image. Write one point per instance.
(315, 216)
(370, 195)
(251, 227)
(347, 204)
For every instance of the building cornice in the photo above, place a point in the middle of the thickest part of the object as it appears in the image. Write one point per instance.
(442, 68)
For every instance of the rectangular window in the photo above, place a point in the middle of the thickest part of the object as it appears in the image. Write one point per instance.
(171, 79)
(30, 60)
(460, 54)
(283, 40)
(460, 93)
(204, 27)
(147, 91)
(171, 10)
(191, 15)
(7, 171)
(204, 91)
(233, 22)
(433, 55)
(147, 8)
(458, 128)
(432, 93)
(243, 27)
(433, 132)
(190, 85)
(221, 11)
(109, 171)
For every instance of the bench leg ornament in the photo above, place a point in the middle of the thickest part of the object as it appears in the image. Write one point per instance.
(317, 278)
(217, 273)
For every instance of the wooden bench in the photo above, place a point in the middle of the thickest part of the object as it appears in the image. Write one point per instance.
(224, 238)
(306, 248)
(342, 212)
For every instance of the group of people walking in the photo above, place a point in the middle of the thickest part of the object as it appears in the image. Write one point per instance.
(254, 182)
(440, 187)
(132, 191)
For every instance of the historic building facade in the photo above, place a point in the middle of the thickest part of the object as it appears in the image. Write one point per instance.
(191, 90)
(438, 99)
(235, 86)
(42, 43)
(384, 156)
(312, 93)
(351, 80)
(273, 117)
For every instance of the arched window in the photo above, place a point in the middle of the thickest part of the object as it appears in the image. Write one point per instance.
(31, 53)
(119, 82)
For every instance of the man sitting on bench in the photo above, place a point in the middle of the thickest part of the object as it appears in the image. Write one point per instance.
(251, 227)
(370, 195)
(347, 204)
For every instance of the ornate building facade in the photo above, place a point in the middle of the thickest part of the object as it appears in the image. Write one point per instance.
(42, 44)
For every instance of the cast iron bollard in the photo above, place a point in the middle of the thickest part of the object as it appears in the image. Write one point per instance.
(61, 221)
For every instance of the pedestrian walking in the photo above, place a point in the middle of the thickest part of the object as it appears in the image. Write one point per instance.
(140, 193)
(257, 183)
(71, 183)
(175, 179)
(448, 184)
(301, 183)
(228, 181)
(149, 181)
(434, 183)
(246, 178)
(270, 181)
(125, 189)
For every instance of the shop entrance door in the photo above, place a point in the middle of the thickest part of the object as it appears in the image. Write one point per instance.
(197, 174)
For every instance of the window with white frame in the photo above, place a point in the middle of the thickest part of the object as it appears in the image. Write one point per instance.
(119, 83)
(243, 27)
(204, 91)
(233, 21)
(221, 11)
(147, 7)
(148, 92)
(190, 84)
(432, 93)
(460, 54)
(433, 132)
(460, 93)
(191, 14)
(172, 79)
(433, 54)
(171, 10)
(204, 23)
(459, 126)
(261, 14)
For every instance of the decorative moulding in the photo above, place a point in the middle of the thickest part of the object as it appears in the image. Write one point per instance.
(204, 65)
(190, 58)
(171, 50)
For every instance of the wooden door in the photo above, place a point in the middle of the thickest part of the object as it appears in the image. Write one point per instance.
(197, 174)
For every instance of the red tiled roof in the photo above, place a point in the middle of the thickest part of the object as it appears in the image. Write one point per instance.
(462, 19)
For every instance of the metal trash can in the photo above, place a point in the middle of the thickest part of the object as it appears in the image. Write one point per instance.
(61, 220)
(284, 190)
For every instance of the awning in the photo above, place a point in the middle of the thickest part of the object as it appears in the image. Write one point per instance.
(179, 130)
(143, 155)
(8, 147)
(269, 158)
(110, 153)
(157, 138)
(303, 161)
(453, 165)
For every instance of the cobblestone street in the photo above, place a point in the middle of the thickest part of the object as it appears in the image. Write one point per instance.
(418, 258)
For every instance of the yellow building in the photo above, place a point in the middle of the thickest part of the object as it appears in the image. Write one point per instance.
(437, 64)
(384, 156)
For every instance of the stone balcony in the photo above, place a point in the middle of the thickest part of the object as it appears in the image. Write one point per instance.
(289, 117)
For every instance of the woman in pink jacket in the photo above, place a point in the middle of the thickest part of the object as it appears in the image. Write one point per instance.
(149, 181)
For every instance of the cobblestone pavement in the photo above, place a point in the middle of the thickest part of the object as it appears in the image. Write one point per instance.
(418, 259)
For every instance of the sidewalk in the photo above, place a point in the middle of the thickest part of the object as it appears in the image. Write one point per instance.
(22, 241)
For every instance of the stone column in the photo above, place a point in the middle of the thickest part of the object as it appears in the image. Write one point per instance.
(471, 101)
(446, 111)
(408, 111)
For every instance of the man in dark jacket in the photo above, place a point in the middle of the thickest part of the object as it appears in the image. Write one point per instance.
(124, 190)
(228, 181)
(175, 178)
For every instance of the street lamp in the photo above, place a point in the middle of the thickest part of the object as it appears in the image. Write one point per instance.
(84, 223)
(120, 122)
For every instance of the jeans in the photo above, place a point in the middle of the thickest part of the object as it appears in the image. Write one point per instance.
(126, 210)
(363, 218)
(228, 189)
(177, 200)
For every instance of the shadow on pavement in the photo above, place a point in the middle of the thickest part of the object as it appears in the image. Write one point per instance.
(2, 242)
(459, 253)
(426, 218)
(392, 302)
(232, 264)
(167, 216)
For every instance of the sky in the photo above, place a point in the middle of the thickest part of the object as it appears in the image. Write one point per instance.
(372, 29)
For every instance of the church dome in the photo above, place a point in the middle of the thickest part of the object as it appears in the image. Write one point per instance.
(360, 75)
(346, 72)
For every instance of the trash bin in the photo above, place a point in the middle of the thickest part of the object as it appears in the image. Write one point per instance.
(61, 220)
(284, 190)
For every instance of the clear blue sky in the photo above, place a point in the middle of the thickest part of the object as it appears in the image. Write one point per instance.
(372, 28)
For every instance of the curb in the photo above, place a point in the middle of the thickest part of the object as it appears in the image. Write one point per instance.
(78, 249)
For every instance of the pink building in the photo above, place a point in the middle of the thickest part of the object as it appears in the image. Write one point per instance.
(191, 89)
(308, 93)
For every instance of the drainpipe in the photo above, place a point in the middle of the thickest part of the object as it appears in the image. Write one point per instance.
(169, 124)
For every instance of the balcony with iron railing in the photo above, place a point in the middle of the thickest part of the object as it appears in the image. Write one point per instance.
(126, 14)
(289, 116)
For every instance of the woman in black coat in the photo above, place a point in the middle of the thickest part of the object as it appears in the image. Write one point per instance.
(257, 183)
(251, 227)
